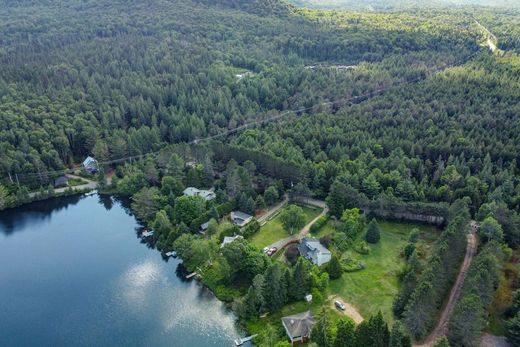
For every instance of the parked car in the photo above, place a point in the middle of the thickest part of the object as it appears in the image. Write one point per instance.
(339, 305)
(265, 250)
(272, 251)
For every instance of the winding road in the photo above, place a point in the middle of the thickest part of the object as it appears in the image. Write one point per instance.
(442, 325)
(305, 230)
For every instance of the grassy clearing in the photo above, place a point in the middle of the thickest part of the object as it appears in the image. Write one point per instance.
(273, 230)
(256, 326)
(375, 287)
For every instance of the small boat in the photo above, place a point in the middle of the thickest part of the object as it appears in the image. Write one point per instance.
(171, 254)
(92, 192)
(147, 233)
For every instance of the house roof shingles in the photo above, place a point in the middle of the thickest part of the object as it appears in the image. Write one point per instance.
(311, 245)
(299, 325)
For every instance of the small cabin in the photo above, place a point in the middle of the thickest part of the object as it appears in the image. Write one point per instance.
(62, 181)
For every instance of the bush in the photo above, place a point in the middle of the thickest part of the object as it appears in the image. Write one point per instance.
(326, 240)
(229, 231)
(292, 253)
(250, 229)
(320, 223)
(373, 234)
(361, 247)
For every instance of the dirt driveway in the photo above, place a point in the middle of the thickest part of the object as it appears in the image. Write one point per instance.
(350, 311)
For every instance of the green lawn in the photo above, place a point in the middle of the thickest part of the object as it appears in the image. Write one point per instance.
(273, 230)
(375, 287)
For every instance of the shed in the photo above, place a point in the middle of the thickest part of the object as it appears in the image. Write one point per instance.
(61, 181)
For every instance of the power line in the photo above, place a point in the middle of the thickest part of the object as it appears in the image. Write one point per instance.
(362, 97)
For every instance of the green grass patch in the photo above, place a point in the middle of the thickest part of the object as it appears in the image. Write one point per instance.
(273, 230)
(375, 287)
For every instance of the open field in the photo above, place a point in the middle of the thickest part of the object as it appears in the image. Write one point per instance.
(375, 287)
(273, 230)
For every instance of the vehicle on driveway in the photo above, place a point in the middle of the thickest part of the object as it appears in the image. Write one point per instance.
(339, 305)
(265, 250)
(272, 251)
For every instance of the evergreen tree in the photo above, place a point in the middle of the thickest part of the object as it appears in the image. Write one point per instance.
(399, 337)
(334, 268)
(274, 288)
(345, 333)
(380, 336)
(513, 330)
(363, 335)
(301, 281)
(373, 234)
(322, 333)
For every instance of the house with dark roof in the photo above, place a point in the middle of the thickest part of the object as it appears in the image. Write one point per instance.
(298, 327)
(312, 249)
(90, 165)
(240, 218)
(61, 181)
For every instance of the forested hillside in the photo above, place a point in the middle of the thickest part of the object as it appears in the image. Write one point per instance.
(115, 79)
(404, 114)
(397, 4)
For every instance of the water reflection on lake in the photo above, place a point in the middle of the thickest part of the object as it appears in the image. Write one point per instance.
(73, 273)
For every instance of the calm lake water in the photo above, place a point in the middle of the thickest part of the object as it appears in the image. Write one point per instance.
(73, 272)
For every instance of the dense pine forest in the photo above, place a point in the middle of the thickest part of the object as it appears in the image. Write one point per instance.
(399, 115)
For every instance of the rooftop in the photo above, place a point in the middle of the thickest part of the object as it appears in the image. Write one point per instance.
(299, 325)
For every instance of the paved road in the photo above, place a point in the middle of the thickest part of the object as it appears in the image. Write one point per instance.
(442, 325)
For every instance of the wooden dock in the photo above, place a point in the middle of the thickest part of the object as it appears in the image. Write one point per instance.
(241, 341)
(193, 274)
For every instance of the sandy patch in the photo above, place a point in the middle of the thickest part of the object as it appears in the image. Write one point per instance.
(350, 311)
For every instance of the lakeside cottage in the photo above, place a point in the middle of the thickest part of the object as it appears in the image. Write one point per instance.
(90, 165)
(61, 181)
(298, 327)
(312, 249)
(229, 239)
(206, 194)
(240, 218)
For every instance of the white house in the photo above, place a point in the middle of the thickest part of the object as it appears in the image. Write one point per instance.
(312, 249)
(229, 239)
(206, 194)
(90, 164)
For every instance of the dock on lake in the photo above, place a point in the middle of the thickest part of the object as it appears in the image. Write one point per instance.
(241, 341)
(193, 274)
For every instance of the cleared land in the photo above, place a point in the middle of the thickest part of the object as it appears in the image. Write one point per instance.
(273, 230)
(375, 287)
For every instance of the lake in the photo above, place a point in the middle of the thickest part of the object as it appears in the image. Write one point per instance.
(73, 272)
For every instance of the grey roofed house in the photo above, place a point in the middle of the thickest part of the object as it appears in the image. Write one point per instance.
(299, 326)
(61, 181)
(206, 194)
(240, 218)
(229, 239)
(203, 228)
(90, 164)
(312, 249)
